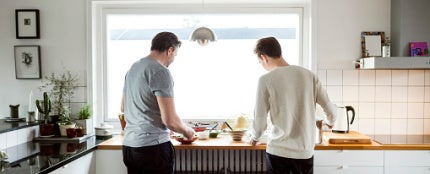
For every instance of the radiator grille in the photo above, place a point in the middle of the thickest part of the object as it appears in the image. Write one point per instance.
(190, 161)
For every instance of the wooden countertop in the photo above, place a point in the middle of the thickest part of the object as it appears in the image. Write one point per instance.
(222, 142)
(225, 142)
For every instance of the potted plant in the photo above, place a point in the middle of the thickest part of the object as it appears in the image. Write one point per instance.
(45, 128)
(61, 89)
(65, 121)
(84, 119)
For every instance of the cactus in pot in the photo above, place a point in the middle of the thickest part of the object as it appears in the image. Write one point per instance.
(46, 107)
(45, 128)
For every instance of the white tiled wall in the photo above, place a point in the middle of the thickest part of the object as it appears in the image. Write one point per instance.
(386, 101)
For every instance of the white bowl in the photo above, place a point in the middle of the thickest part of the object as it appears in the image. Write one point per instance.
(237, 135)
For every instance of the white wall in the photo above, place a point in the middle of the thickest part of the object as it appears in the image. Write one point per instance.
(63, 46)
(339, 25)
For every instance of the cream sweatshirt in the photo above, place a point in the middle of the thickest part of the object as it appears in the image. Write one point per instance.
(286, 102)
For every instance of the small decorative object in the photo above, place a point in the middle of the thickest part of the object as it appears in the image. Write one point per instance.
(31, 117)
(79, 131)
(14, 111)
(418, 49)
(71, 132)
(386, 49)
(27, 62)
(371, 44)
(27, 24)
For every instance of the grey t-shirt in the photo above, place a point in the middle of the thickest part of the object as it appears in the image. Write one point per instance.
(146, 79)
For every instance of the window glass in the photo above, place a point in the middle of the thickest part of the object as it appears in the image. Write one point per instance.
(213, 81)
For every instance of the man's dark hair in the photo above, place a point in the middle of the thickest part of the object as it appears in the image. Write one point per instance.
(268, 46)
(164, 40)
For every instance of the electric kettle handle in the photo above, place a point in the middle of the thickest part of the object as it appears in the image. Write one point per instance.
(350, 108)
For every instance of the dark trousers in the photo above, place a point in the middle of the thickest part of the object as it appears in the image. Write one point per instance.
(281, 165)
(158, 159)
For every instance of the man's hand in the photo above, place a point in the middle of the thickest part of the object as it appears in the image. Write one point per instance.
(253, 142)
(189, 133)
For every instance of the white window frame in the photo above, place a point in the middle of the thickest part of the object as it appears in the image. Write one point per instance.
(96, 34)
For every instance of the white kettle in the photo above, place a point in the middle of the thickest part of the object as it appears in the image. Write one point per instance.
(342, 123)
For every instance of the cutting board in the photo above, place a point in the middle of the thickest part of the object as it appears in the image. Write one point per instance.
(347, 138)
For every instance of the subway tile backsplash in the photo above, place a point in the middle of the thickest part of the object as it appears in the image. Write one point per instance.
(386, 101)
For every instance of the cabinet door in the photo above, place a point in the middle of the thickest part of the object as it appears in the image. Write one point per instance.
(110, 162)
(349, 158)
(84, 164)
(407, 158)
(348, 170)
(409, 170)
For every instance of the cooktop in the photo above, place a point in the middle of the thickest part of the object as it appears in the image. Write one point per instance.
(401, 139)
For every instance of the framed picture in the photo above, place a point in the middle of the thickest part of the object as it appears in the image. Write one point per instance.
(27, 62)
(371, 44)
(27, 24)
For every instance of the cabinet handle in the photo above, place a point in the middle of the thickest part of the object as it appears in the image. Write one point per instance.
(343, 167)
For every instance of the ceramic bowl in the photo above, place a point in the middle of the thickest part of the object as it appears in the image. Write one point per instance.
(237, 134)
(183, 140)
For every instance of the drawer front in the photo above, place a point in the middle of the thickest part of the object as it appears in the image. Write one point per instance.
(348, 170)
(407, 158)
(349, 158)
(408, 170)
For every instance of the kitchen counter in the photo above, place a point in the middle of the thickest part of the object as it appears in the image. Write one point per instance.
(11, 126)
(225, 142)
(45, 157)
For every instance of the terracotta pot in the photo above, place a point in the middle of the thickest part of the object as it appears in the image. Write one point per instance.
(46, 129)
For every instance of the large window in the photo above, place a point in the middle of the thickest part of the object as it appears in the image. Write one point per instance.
(213, 81)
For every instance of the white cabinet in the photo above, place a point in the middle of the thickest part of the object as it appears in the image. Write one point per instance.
(109, 162)
(407, 161)
(348, 161)
(84, 164)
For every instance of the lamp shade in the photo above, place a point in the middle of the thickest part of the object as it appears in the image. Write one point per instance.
(203, 36)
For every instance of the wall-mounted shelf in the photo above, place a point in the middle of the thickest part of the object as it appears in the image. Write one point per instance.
(395, 63)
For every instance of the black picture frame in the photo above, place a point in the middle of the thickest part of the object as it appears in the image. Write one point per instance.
(27, 62)
(27, 23)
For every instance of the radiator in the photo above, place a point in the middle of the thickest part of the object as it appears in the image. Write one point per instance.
(193, 161)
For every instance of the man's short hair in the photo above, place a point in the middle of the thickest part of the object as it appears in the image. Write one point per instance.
(268, 46)
(164, 40)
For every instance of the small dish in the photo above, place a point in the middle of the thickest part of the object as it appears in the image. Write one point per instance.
(213, 134)
(182, 139)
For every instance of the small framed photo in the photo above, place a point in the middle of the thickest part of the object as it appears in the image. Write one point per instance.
(27, 62)
(27, 24)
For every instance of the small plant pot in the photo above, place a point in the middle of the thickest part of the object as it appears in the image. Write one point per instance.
(46, 129)
(71, 132)
(87, 125)
(63, 129)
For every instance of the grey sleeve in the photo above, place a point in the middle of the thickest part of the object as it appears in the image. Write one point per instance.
(161, 84)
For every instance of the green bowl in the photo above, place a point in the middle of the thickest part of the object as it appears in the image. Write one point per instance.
(213, 134)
